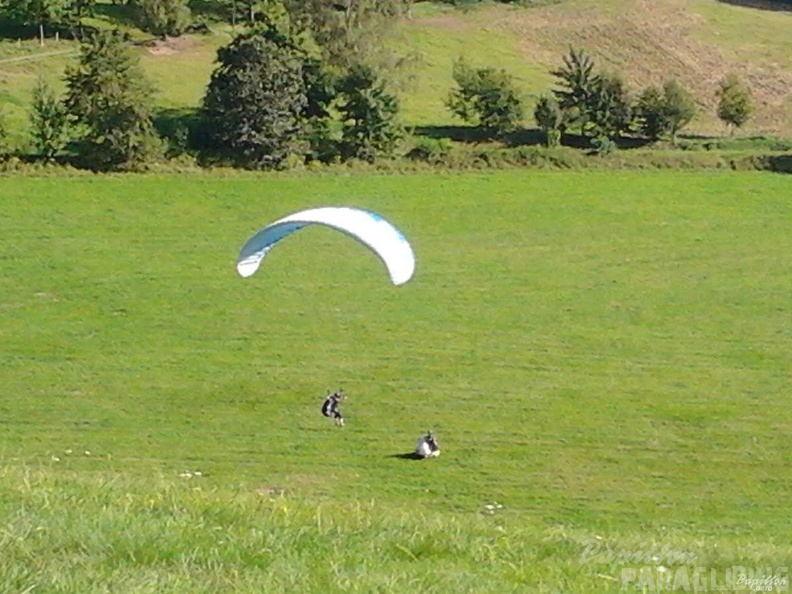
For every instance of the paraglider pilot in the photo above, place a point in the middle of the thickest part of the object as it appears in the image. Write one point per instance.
(330, 407)
(427, 446)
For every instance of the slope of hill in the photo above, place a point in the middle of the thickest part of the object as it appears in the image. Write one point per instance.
(696, 41)
(604, 355)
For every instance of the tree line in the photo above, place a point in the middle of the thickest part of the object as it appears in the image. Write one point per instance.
(307, 81)
(595, 104)
(304, 81)
(175, 17)
(332, 20)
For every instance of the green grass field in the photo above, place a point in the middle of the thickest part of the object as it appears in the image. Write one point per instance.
(605, 355)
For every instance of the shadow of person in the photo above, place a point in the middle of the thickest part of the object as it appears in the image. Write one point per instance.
(407, 456)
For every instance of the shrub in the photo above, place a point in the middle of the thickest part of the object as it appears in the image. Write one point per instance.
(664, 112)
(603, 145)
(608, 110)
(734, 102)
(486, 97)
(49, 122)
(431, 150)
(368, 115)
(550, 119)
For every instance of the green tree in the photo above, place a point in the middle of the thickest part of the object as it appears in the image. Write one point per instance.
(598, 103)
(650, 113)
(256, 99)
(735, 104)
(163, 17)
(486, 97)
(550, 119)
(608, 112)
(49, 121)
(252, 13)
(320, 92)
(664, 112)
(578, 81)
(256, 11)
(348, 31)
(110, 100)
(74, 13)
(368, 115)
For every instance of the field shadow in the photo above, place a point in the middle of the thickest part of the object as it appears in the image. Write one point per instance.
(774, 5)
(407, 456)
(467, 134)
(212, 11)
(477, 135)
(518, 138)
(781, 163)
(118, 14)
(12, 30)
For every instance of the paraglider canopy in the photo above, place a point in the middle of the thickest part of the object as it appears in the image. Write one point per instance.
(369, 228)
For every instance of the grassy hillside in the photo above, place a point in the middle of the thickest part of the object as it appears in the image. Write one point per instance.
(604, 355)
(697, 41)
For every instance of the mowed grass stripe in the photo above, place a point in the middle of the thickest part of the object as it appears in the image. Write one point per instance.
(594, 349)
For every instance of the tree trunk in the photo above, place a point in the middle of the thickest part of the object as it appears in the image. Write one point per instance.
(41, 33)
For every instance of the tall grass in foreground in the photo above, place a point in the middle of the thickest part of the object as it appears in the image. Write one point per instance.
(86, 533)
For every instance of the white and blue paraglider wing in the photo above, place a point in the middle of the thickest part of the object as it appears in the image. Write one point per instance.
(369, 228)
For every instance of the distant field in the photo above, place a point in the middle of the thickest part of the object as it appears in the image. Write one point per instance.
(697, 42)
(603, 354)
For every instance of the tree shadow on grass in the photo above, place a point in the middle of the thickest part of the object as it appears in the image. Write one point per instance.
(478, 135)
(212, 11)
(119, 14)
(781, 163)
(518, 138)
(12, 30)
(534, 136)
(773, 5)
(468, 134)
